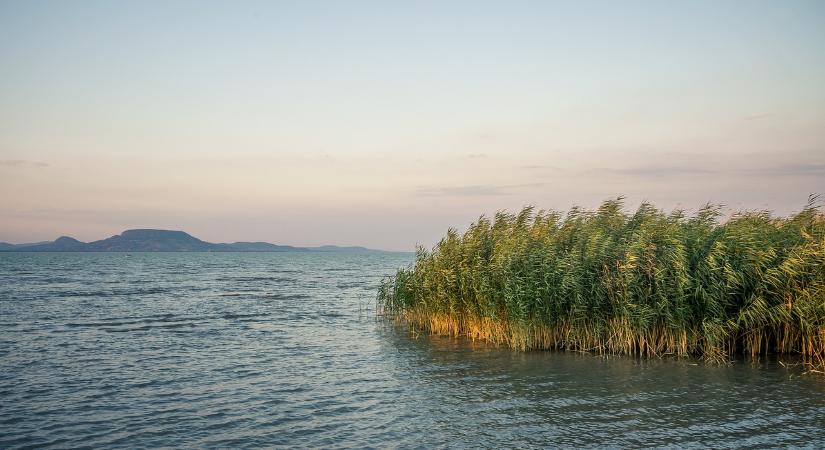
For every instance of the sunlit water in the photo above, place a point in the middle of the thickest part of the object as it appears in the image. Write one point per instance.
(283, 349)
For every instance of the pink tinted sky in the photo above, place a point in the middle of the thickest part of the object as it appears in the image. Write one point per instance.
(381, 125)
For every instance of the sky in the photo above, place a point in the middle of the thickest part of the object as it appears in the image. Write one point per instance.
(384, 123)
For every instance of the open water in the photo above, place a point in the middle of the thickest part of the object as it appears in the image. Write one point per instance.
(250, 350)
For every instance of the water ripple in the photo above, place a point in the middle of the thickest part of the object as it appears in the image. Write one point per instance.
(264, 350)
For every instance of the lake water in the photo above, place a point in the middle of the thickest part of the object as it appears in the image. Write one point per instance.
(283, 349)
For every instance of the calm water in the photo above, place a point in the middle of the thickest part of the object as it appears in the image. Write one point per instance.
(281, 349)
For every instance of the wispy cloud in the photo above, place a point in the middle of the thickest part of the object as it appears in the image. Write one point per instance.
(477, 155)
(22, 163)
(794, 170)
(783, 165)
(478, 190)
(654, 171)
(540, 167)
(758, 116)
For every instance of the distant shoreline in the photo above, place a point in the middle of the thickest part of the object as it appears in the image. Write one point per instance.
(171, 241)
(320, 252)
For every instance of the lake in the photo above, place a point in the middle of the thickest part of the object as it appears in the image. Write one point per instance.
(249, 350)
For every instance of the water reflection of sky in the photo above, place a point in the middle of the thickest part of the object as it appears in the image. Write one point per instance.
(495, 395)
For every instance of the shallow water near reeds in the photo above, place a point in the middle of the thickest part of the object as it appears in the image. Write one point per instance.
(253, 350)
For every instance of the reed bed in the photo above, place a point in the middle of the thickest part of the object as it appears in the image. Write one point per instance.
(647, 283)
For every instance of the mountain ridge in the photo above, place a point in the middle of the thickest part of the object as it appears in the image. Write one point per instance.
(158, 240)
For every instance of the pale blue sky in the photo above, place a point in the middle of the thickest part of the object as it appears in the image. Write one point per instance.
(381, 124)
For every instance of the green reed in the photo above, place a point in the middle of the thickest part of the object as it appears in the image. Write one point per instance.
(607, 281)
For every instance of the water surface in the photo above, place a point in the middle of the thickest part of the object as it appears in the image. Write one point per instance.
(283, 349)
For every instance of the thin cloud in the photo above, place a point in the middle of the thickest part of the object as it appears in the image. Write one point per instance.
(654, 171)
(478, 190)
(752, 166)
(794, 170)
(540, 167)
(22, 163)
(477, 155)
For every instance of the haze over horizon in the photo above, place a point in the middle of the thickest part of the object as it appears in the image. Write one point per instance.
(381, 125)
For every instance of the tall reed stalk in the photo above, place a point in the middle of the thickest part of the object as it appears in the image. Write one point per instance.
(605, 281)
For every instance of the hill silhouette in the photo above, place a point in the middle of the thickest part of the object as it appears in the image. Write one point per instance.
(151, 240)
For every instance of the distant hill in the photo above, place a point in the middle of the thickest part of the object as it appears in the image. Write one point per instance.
(148, 240)
(151, 241)
(335, 248)
(257, 247)
(7, 246)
